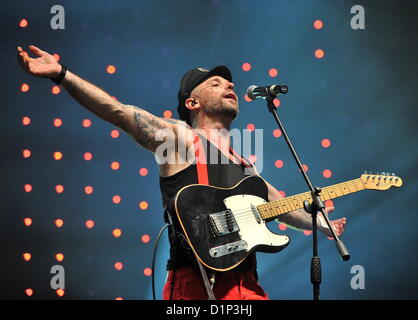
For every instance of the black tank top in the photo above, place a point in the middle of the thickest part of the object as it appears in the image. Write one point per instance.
(224, 173)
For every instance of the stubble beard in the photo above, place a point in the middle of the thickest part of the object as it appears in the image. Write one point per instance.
(224, 109)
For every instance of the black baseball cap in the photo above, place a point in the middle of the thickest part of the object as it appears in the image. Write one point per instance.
(191, 80)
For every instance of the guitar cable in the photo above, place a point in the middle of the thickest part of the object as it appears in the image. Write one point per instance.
(153, 258)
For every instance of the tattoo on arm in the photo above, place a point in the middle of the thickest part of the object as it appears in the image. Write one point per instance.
(143, 127)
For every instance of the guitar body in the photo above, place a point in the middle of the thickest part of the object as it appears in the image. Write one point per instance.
(223, 226)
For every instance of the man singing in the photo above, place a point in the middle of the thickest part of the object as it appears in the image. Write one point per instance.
(207, 106)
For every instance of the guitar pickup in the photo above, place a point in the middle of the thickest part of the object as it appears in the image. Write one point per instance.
(228, 248)
(223, 223)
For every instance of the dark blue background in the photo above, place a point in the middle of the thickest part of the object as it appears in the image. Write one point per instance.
(362, 96)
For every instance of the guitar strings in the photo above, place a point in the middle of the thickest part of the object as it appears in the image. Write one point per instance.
(246, 215)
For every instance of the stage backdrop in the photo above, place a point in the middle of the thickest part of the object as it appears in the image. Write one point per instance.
(80, 194)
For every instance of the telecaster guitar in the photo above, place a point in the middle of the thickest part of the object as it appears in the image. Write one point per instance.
(224, 225)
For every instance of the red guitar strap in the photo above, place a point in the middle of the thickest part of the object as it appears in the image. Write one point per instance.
(201, 163)
(244, 161)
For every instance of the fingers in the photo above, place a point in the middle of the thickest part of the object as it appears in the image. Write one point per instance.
(23, 59)
(36, 50)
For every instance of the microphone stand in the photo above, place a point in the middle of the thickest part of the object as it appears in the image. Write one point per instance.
(312, 208)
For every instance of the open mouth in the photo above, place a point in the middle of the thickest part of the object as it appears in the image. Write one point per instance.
(231, 96)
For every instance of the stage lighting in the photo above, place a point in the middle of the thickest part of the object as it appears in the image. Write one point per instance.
(327, 173)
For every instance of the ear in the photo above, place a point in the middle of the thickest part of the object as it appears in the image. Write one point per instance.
(192, 104)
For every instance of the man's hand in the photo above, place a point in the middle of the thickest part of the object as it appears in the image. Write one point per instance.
(338, 224)
(45, 66)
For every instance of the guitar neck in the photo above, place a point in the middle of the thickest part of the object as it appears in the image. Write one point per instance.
(273, 209)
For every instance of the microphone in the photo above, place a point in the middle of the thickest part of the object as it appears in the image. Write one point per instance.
(254, 92)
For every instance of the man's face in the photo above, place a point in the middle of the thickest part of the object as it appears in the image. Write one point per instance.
(217, 97)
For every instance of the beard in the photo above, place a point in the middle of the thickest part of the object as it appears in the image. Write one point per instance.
(223, 108)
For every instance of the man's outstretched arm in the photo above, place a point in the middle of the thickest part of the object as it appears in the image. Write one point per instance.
(140, 124)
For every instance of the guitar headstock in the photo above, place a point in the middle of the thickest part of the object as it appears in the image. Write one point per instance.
(381, 181)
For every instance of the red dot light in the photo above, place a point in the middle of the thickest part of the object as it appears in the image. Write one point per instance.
(59, 188)
(29, 292)
(167, 114)
(246, 98)
(117, 233)
(57, 155)
(279, 163)
(246, 66)
(110, 69)
(319, 53)
(143, 205)
(88, 189)
(118, 266)
(59, 223)
(114, 134)
(273, 72)
(145, 238)
(27, 256)
(28, 188)
(24, 87)
(26, 153)
(26, 121)
(276, 102)
(23, 23)
(143, 172)
(327, 173)
(282, 226)
(116, 199)
(326, 143)
(318, 24)
(59, 257)
(57, 122)
(60, 292)
(89, 224)
(305, 167)
(250, 127)
(88, 156)
(115, 165)
(329, 203)
(86, 123)
(27, 221)
(147, 272)
(277, 133)
(307, 232)
(56, 90)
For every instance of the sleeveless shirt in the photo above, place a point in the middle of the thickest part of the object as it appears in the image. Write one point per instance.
(222, 173)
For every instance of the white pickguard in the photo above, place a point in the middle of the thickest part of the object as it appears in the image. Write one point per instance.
(253, 232)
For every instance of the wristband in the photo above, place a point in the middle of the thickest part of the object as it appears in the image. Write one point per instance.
(61, 76)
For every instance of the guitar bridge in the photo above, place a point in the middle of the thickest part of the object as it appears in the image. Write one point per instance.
(223, 223)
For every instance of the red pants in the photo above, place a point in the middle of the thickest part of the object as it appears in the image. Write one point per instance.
(229, 285)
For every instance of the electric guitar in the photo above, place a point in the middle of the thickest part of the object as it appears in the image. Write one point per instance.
(224, 225)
